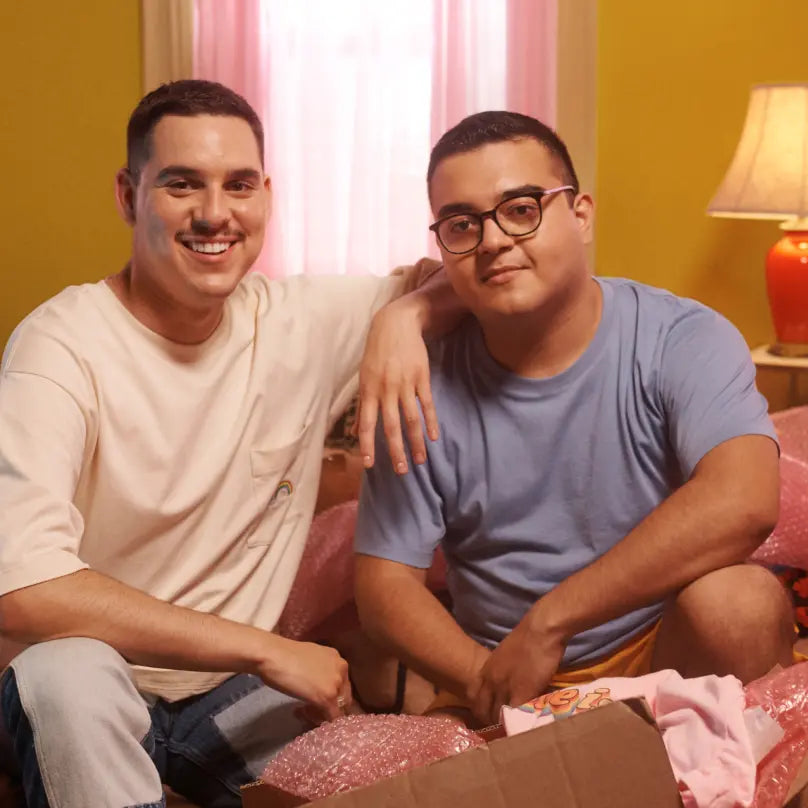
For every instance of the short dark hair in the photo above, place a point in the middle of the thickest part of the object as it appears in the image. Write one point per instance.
(497, 126)
(187, 98)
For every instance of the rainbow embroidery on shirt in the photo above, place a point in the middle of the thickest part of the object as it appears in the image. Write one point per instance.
(284, 490)
(563, 703)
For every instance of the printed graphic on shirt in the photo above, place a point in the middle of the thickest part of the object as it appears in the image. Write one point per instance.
(564, 703)
(284, 490)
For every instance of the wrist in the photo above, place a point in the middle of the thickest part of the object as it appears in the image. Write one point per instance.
(412, 308)
(479, 656)
(548, 621)
(263, 651)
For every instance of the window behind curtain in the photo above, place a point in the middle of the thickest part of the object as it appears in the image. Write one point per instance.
(352, 94)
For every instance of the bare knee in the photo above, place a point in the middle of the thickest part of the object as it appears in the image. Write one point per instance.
(740, 600)
(737, 620)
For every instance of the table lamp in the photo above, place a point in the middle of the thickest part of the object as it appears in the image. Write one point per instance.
(768, 179)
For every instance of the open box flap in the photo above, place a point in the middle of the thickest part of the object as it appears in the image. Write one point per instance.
(607, 758)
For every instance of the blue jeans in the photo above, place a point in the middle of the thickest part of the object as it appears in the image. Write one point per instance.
(204, 747)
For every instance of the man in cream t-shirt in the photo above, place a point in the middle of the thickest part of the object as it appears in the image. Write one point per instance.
(160, 444)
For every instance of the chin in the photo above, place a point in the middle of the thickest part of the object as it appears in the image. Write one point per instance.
(512, 303)
(217, 286)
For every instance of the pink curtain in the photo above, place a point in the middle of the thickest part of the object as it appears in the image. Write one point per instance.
(493, 54)
(532, 38)
(344, 90)
(228, 48)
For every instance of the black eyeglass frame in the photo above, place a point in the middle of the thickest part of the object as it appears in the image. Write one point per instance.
(492, 214)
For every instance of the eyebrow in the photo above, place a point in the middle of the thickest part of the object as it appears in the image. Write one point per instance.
(245, 174)
(510, 193)
(169, 172)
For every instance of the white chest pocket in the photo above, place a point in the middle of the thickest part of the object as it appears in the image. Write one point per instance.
(276, 474)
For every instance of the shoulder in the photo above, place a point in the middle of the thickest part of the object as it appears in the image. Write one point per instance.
(64, 307)
(662, 314)
(275, 306)
(257, 291)
(453, 354)
(652, 300)
(56, 342)
(332, 295)
(64, 320)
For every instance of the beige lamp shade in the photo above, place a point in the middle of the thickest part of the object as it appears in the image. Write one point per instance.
(768, 177)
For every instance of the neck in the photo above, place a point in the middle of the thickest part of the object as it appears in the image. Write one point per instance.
(546, 342)
(151, 306)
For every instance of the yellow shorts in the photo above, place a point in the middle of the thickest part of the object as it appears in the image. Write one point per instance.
(632, 659)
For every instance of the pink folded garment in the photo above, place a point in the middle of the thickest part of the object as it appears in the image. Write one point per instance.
(701, 720)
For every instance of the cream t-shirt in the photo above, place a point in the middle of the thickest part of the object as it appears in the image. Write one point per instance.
(188, 472)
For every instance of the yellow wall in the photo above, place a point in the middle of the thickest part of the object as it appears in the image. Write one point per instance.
(70, 77)
(673, 83)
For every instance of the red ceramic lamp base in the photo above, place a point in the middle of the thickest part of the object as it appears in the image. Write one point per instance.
(787, 286)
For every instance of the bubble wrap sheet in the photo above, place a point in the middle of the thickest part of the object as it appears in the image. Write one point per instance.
(788, 544)
(324, 582)
(783, 694)
(358, 750)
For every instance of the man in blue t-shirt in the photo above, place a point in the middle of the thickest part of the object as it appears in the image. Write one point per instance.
(604, 467)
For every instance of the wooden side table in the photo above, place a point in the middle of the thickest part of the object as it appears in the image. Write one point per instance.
(793, 370)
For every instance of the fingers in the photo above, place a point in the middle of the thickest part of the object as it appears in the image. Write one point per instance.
(366, 424)
(483, 702)
(494, 690)
(392, 432)
(424, 393)
(522, 692)
(497, 704)
(345, 699)
(342, 696)
(412, 421)
(391, 416)
(339, 699)
(397, 397)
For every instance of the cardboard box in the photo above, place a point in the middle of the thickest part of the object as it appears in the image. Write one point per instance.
(611, 757)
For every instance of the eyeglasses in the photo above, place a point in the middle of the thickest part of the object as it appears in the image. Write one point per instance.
(517, 216)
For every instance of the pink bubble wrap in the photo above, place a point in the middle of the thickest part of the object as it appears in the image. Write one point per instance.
(358, 750)
(324, 582)
(788, 544)
(783, 694)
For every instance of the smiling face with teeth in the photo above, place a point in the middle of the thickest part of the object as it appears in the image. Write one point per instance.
(198, 211)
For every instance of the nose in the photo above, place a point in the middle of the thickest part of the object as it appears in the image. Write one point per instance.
(494, 239)
(213, 214)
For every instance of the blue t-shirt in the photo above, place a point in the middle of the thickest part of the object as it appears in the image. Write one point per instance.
(533, 479)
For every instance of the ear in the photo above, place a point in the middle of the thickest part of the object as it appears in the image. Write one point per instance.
(584, 209)
(125, 195)
(268, 197)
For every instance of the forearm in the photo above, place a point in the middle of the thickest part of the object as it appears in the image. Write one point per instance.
(695, 531)
(432, 302)
(143, 629)
(403, 615)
